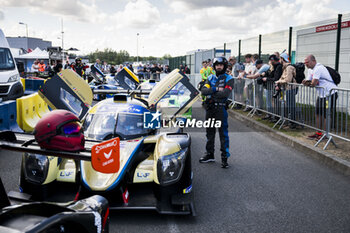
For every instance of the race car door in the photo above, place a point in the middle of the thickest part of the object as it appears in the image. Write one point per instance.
(173, 95)
(67, 90)
(127, 79)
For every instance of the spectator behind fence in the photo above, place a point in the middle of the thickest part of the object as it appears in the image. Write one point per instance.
(288, 76)
(248, 90)
(318, 76)
(274, 74)
(160, 68)
(58, 67)
(167, 70)
(35, 66)
(277, 54)
(67, 66)
(210, 63)
(98, 64)
(229, 69)
(112, 70)
(187, 70)
(262, 69)
(155, 71)
(235, 66)
(105, 67)
(205, 71)
(42, 66)
(182, 68)
(119, 68)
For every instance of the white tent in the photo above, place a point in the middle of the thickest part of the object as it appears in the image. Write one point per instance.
(35, 54)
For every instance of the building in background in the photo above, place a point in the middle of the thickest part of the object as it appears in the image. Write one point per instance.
(318, 38)
(28, 43)
(320, 41)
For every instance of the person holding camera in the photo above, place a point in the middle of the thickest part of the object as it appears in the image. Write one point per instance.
(272, 76)
(288, 76)
(217, 89)
(262, 70)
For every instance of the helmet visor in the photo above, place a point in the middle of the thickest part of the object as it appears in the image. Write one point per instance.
(71, 128)
(219, 60)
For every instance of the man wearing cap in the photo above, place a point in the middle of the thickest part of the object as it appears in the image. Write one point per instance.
(288, 76)
(262, 69)
(275, 73)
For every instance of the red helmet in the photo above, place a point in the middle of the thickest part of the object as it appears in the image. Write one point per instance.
(60, 130)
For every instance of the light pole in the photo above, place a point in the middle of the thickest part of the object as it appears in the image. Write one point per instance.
(26, 27)
(137, 47)
(62, 41)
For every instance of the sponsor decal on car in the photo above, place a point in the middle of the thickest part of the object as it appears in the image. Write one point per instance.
(188, 189)
(105, 156)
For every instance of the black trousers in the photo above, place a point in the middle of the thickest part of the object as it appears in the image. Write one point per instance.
(218, 113)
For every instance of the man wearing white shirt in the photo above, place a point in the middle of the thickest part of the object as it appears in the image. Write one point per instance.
(318, 76)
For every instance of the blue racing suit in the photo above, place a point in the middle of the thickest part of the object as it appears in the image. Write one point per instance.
(217, 90)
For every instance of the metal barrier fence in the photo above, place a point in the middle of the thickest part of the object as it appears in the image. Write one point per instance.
(295, 104)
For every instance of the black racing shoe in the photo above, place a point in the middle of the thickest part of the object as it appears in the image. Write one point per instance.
(207, 158)
(224, 163)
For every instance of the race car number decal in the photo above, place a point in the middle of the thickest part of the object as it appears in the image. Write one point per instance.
(105, 156)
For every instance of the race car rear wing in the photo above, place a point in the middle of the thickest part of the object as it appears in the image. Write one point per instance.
(22, 142)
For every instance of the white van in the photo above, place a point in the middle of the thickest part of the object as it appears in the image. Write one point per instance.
(10, 83)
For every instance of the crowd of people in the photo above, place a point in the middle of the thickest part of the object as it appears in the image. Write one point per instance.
(275, 76)
(143, 71)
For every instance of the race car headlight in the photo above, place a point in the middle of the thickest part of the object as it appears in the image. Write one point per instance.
(36, 167)
(13, 78)
(170, 167)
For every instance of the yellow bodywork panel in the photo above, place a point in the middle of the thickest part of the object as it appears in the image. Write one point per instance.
(144, 171)
(67, 171)
(52, 171)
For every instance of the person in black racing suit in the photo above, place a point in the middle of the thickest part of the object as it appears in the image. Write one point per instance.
(217, 89)
(79, 67)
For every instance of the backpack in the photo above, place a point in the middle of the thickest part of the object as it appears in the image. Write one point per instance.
(299, 69)
(334, 74)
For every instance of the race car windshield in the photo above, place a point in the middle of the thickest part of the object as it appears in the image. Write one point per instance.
(130, 125)
(130, 83)
(99, 126)
(72, 103)
(174, 100)
(6, 60)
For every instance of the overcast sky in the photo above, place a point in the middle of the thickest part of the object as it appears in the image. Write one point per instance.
(164, 26)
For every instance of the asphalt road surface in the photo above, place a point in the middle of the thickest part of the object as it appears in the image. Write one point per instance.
(269, 187)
